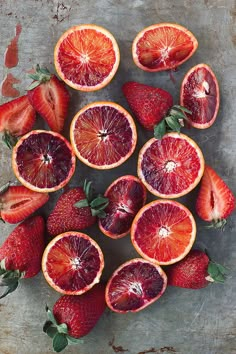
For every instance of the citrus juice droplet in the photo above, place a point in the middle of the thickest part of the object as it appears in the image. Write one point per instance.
(11, 54)
(7, 89)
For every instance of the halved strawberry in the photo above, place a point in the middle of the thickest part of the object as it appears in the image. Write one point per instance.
(18, 202)
(215, 201)
(49, 97)
(17, 118)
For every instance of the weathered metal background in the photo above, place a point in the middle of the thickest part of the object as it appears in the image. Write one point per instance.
(182, 321)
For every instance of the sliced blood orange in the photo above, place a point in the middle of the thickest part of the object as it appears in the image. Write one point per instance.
(135, 285)
(163, 231)
(43, 161)
(86, 57)
(126, 196)
(163, 46)
(103, 135)
(200, 93)
(172, 166)
(72, 263)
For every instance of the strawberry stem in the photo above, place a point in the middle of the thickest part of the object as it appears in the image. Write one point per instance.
(97, 205)
(58, 333)
(172, 122)
(9, 279)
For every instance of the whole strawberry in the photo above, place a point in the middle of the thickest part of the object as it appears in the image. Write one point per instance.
(215, 201)
(74, 316)
(153, 107)
(21, 253)
(195, 271)
(75, 210)
(49, 97)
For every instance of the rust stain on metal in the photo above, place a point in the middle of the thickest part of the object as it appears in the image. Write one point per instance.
(160, 350)
(117, 349)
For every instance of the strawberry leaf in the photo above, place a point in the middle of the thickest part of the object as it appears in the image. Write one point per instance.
(51, 316)
(160, 130)
(182, 108)
(4, 188)
(51, 331)
(9, 140)
(73, 340)
(82, 203)
(60, 342)
(173, 123)
(62, 328)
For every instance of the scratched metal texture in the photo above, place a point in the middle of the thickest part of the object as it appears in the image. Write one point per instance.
(182, 321)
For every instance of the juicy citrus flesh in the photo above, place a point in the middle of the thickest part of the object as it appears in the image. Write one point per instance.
(103, 135)
(43, 161)
(87, 57)
(163, 46)
(200, 94)
(172, 166)
(72, 263)
(135, 285)
(126, 196)
(163, 232)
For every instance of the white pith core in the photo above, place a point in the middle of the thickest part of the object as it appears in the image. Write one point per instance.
(170, 166)
(164, 231)
(75, 263)
(165, 53)
(84, 58)
(136, 288)
(203, 92)
(47, 159)
(103, 134)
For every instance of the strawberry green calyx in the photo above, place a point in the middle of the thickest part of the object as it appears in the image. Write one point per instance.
(58, 333)
(9, 279)
(9, 139)
(97, 205)
(217, 272)
(217, 224)
(40, 76)
(172, 122)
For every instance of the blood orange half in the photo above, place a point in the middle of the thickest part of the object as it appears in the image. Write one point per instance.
(135, 285)
(126, 196)
(43, 161)
(163, 46)
(163, 232)
(200, 93)
(172, 166)
(103, 135)
(72, 263)
(86, 57)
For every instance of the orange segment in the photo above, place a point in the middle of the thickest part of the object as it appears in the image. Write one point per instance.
(163, 46)
(87, 57)
(43, 161)
(72, 263)
(163, 231)
(201, 95)
(103, 135)
(172, 166)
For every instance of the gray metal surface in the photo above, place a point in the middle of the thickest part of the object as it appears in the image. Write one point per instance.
(182, 321)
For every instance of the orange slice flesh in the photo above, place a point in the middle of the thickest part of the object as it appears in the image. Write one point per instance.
(86, 57)
(172, 166)
(163, 232)
(201, 95)
(72, 263)
(163, 46)
(103, 135)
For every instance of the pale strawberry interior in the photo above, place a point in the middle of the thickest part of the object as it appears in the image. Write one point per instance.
(44, 160)
(86, 57)
(163, 232)
(170, 165)
(103, 135)
(126, 197)
(200, 96)
(73, 263)
(164, 47)
(134, 286)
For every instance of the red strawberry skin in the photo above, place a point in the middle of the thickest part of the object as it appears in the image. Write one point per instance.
(18, 202)
(191, 272)
(51, 99)
(149, 104)
(23, 249)
(17, 116)
(66, 217)
(82, 312)
(215, 200)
